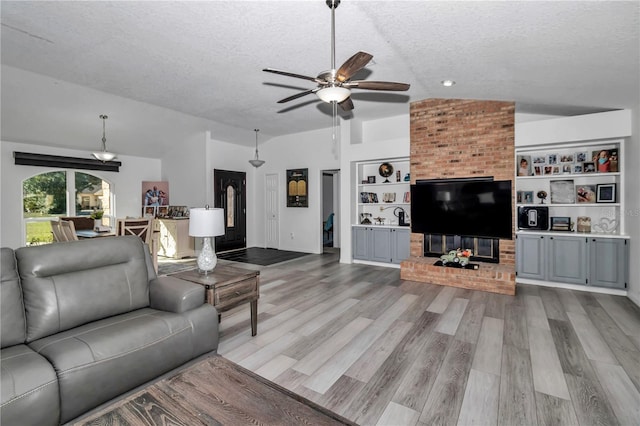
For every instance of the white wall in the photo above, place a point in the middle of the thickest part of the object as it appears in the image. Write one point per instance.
(312, 150)
(632, 210)
(184, 167)
(127, 185)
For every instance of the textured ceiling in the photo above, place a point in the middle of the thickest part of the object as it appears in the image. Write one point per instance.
(205, 60)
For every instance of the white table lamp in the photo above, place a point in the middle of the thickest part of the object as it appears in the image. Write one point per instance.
(206, 223)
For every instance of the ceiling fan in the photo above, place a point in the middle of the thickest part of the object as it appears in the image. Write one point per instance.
(334, 86)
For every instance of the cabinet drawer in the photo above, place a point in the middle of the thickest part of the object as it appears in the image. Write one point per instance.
(232, 294)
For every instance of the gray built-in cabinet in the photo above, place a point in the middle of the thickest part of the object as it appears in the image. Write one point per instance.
(380, 244)
(585, 260)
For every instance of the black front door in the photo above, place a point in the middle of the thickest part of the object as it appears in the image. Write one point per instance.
(230, 194)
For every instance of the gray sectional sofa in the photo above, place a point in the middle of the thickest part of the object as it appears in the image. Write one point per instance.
(83, 322)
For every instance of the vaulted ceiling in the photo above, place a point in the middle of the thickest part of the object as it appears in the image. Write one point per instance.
(164, 70)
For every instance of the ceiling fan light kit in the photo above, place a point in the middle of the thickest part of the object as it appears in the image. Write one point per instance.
(256, 162)
(104, 155)
(334, 86)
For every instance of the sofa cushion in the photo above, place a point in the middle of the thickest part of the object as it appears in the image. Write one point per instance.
(29, 394)
(68, 285)
(98, 361)
(12, 321)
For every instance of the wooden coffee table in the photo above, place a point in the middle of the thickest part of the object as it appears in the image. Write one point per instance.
(228, 287)
(214, 391)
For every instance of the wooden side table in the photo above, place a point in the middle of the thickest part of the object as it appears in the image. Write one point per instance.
(228, 287)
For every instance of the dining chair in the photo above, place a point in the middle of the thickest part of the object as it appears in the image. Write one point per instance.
(69, 230)
(144, 229)
(58, 234)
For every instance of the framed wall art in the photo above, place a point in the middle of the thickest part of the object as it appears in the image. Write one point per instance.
(298, 188)
(155, 193)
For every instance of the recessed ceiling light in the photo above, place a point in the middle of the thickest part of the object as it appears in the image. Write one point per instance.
(448, 83)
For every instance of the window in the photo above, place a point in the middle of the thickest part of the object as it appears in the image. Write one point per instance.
(45, 197)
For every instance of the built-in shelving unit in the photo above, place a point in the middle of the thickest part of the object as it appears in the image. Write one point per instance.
(571, 250)
(382, 192)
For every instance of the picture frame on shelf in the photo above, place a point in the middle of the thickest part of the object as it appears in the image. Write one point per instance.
(538, 170)
(566, 158)
(606, 193)
(371, 179)
(577, 168)
(163, 211)
(561, 223)
(566, 169)
(602, 160)
(562, 191)
(552, 159)
(527, 197)
(548, 170)
(588, 167)
(539, 159)
(582, 156)
(585, 193)
(524, 165)
(519, 196)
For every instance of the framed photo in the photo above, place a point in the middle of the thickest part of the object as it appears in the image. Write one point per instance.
(566, 158)
(577, 168)
(606, 193)
(150, 211)
(155, 193)
(538, 170)
(562, 191)
(585, 193)
(539, 159)
(566, 169)
(527, 197)
(163, 211)
(524, 165)
(588, 167)
(560, 223)
(371, 179)
(519, 196)
(552, 159)
(297, 184)
(556, 170)
(582, 156)
(548, 170)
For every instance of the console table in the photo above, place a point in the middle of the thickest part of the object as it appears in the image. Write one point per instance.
(228, 287)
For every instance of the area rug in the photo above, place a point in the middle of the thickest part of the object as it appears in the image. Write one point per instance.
(260, 256)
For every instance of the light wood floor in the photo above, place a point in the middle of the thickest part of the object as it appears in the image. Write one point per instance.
(379, 350)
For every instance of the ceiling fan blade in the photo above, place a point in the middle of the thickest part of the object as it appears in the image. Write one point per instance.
(290, 74)
(377, 85)
(347, 104)
(297, 95)
(352, 66)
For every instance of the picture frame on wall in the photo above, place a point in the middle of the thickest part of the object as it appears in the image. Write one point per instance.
(155, 193)
(297, 188)
(606, 193)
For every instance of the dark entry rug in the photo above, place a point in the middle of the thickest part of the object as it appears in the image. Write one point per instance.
(260, 256)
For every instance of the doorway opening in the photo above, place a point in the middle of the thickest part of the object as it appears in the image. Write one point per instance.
(330, 209)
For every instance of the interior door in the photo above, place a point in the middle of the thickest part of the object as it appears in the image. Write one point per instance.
(271, 207)
(230, 194)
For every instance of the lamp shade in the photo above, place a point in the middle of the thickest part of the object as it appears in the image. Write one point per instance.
(206, 222)
(333, 94)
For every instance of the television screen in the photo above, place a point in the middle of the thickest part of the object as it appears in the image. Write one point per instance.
(474, 208)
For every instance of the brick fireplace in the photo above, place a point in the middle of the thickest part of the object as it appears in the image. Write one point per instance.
(455, 138)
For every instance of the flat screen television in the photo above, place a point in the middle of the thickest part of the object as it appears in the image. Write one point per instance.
(473, 208)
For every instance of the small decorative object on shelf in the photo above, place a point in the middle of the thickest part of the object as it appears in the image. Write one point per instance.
(364, 218)
(562, 191)
(584, 224)
(606, 226)
(379, 220)
(585, 193)
(407, 177)
(561, 223)
(606, 193)
(385, 170)
(542, 195)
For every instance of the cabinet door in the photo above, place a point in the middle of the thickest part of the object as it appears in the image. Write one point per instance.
(360, 243)
(530, 256)
(400, 245)
(608, 262)
(568, 259)
(380, 240)
(168, 233)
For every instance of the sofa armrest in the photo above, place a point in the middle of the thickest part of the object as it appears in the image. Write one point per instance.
(174, 295)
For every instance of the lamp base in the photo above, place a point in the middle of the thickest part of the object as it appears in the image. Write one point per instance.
(207, 258)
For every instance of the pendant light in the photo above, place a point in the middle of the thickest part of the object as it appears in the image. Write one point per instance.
(104, 155)
(256, 162)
